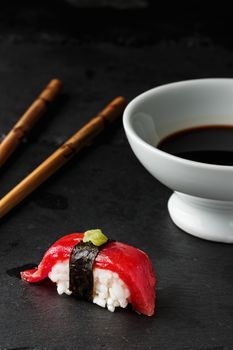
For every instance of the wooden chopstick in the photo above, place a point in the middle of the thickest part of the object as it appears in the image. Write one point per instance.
(28, 119)
(79, 140)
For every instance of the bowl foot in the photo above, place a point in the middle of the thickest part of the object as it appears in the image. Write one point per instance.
(204, 218)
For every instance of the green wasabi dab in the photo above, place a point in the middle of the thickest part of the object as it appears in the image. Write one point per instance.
(95, 236)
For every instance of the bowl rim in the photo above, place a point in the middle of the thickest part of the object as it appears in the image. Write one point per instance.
(127, 115)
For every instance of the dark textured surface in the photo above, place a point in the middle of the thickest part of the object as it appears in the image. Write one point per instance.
(105, 186)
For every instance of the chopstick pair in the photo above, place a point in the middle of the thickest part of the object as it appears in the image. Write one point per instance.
(63, 154)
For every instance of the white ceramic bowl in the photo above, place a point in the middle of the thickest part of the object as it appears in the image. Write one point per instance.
(202, 203)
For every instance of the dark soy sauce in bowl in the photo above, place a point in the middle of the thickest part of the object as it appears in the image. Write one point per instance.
(206, 144)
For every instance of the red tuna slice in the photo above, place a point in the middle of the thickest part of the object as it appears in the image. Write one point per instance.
(135, 268)
(59, 251)
(131, 264)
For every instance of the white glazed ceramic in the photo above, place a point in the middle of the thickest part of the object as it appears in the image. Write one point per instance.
(202, 202)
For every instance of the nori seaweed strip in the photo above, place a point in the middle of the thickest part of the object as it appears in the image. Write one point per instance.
(82, 259)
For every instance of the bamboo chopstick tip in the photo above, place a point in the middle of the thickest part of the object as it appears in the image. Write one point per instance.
(55, 82)
(114, 110)
(51, 91)
(121, 100)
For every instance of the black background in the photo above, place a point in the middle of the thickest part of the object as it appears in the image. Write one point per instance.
(100, 52)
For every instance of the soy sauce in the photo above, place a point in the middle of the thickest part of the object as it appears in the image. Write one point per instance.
(206, 144)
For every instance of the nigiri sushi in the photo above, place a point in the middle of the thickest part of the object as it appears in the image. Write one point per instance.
(109, 273)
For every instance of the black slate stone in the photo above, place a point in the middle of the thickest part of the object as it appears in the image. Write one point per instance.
(104, 186)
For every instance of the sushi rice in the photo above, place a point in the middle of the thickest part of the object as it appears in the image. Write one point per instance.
(109, 290)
